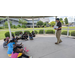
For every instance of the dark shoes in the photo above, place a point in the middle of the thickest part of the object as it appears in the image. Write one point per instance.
(58, 43)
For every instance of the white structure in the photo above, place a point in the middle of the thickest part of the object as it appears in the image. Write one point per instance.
(45, 19)
(23, 17)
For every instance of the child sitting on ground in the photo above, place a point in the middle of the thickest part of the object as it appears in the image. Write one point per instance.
(18, 54)
(33, 33)
(17, 38)
(14, 39)
(7, 38)
(10, 48)
(26, 36)
(12, 45)
(5, 43)
(30, 36)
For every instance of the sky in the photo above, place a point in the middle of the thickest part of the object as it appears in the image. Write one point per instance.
(70, 18)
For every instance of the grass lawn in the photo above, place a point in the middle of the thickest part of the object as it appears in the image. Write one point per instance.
(3, 31)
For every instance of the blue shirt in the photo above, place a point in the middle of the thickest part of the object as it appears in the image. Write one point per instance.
(10, 48)
(13, 43)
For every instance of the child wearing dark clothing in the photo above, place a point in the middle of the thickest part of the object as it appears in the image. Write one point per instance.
(33, 33)
(24, 36)
(14, 39)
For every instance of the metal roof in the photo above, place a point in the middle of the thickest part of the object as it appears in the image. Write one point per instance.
(26, 16)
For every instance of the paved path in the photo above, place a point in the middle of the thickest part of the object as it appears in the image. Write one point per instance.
(43, 47)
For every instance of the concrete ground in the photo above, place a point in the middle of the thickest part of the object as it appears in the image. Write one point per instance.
(43, 47)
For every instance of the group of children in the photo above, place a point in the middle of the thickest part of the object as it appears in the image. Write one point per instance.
(17, 50)
(25, 36)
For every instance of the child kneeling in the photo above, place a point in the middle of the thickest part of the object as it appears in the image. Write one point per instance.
(18, 54)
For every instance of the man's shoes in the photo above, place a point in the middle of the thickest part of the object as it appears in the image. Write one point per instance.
(56, 43)
(60, 41)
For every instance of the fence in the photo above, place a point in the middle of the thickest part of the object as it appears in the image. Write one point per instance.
(67, 29)
(2, 32)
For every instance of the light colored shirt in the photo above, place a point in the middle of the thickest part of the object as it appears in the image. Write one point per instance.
(5, 43)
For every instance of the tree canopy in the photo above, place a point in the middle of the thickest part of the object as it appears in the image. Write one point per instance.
(52, 23)
(66, 21)
(39, 23)
(6, 24)
(23, 22)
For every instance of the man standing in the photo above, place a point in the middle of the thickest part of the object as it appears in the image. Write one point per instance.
(58, 33)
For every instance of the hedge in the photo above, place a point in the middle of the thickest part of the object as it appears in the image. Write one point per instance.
(27, 32)
(50, 32)
(7, 34)
(41, 31)
(18, 32)
(36, 32)
(64, 33)
(1, 28)
(73, 33)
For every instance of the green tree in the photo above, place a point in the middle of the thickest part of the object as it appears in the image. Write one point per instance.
(23, 22)
(6, 24)
(66, 21)
(20, 21)
(52, 23)
(10, 24)
(61, 20)
(39, 23)
(44, 23)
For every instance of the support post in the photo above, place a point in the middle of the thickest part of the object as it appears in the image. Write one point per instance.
(9, 27)
(33, 23)
(22, 28)
(55, 23)
(68, 31)
(44, 28)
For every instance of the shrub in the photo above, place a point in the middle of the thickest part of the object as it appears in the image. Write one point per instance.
(7, 34)
(41, 31)
(50, 32)
(73, 33)
(27, 32)
(1, 28)
(36, 32)
(64, 33)
(23, 26)
(13, 26)
(53, 31)
(18, 26)
(18, 33)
